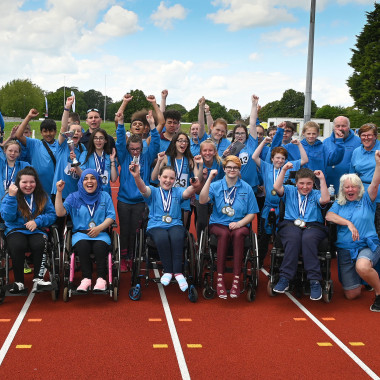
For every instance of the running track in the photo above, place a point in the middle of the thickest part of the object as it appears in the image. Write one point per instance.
(164, 336)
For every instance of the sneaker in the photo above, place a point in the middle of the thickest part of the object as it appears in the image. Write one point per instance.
(17, 287)
(282, 286)
(315, 290)
(101, 284)
(27, 268)
(84, 285)
(368, 288)
(166, 278)
(376, 305)
(123, 266)
(40, 283)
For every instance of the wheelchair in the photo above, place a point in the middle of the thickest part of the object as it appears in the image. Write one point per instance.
(70, 263)
(52, 265)
(207, 267)
(300, 285)
(146, 260)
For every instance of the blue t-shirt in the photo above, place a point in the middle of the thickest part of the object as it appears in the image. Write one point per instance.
(217, 166)
(81, 218)
(244, 202)
(222, 145)
(156, 208)
(8, 175)
(313, 207)
(248, 166)
(195, 147)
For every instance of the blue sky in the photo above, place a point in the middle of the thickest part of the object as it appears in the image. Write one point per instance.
(225, 50)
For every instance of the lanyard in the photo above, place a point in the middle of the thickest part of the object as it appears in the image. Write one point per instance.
(166, 202)
(275, 175)
(179, 170)
(8, 179)
(302, 205)
(30, 205)
(100, 163)
(229, 197)
(91, 210)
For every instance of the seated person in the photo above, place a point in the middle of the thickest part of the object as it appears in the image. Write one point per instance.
(230, 218)
(302, 228)
(92, 212)
(357, 241)
(25, 210)
(165, 225)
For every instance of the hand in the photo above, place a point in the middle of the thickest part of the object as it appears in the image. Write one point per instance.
(319, 174)
(150, 119)
(13, 132)
(202, 101)
(164, 94)
(267, 140)
(127, 98)
(198, 159)
(32, 113)
(72, 155)
(31, 225)
(160, 156)
(207, 108)
(195, 182)
(119, 117)
(12, 190)
(151, 99)
(295, 142)
(234, 226)
(113, 155)
(354, 231)
(338, 134)
(134, 169)
(70, 101)
(377, 157)
(287, 166)
(281, 125)
(204, 173)
(226, 152)
(60, 185)
(94, 231)
(255, 100)
(213, 173)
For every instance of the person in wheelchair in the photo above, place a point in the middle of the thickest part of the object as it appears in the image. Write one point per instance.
(165, 224)
(92, 212)
(302, 228)
(234, 208)
(26, 209)
(357, 242)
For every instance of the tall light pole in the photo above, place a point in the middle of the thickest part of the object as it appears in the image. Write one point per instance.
(309, 72)
(105, 96)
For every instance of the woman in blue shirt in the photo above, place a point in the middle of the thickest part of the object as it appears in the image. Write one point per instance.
(357, 241)
(165, 225)
(92, 212)
(234, 207)
(25, 210)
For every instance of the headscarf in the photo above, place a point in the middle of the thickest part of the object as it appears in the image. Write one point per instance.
(82, 197)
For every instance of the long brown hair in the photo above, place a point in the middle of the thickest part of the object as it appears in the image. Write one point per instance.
(39, 195)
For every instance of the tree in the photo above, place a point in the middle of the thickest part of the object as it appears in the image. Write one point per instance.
(177, 107)
(330, 112)
(217, 110)
(364, 83)
(235, 114)
(19, 96)
(271, 109)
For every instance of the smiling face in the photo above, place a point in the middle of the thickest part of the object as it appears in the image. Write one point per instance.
(240, 135)
(218, 131)
(194, 130)
(167, 179)
(350, 191)
(278, 160)
(304, 185)
(208, 152)
(78, 132)
(93, 120)
(231, 170)
(48, 135)
(99, 140)
(12, 152)
(181, 143)
(90, 183)
(27, 184)
(311, 134)
(368, 140)
(134, 149)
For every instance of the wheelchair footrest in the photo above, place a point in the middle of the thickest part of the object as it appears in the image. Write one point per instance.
(8, 293)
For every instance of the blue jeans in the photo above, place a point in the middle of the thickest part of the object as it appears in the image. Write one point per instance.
(169, 245)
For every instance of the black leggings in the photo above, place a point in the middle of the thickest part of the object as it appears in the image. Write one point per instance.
(18, 244)
(99, 248)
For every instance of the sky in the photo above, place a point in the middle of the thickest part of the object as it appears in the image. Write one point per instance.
(225, 50)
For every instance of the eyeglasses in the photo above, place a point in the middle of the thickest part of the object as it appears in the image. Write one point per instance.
(100, 138)
(93, 109)
(232, 168)
(370, 136)
(182, 141)
(135, 149)
(288, 131)
(240, 133)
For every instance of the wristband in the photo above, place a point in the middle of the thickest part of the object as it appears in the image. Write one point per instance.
(66, 109)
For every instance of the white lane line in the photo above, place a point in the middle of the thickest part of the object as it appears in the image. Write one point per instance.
(15, 327)
(363, 366)
(173, 332)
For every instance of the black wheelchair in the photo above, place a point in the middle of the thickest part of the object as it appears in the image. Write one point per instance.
(70, 264)
(52, 265)
(207, 267)
(300, 285)
(146, 260)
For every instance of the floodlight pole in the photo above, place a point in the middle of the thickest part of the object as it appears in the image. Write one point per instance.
(105, 97)
(309, 72)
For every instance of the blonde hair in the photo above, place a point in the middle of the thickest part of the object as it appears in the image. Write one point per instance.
(209, 141)
(355, 180)
(310, 124)
(233, 159)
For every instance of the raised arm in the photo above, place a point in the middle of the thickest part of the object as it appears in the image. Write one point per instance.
(374, 186)
(201, 116)
(134, 169)
(114, 173)
(278, 186)
(164, 95)
(160, 116)
(65, 118)
(304, 157)
(253, 116)
(258, 150)
(161, 160)
(203, 196)
(209, 119)
(59, 209)
(325, 196)
(21, 128)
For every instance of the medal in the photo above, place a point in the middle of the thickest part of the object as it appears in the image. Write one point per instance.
(100, 164)
(229, 198)
(230, 211)
(30, 205)
(91, 224)
(167, 219)
(166, 203)
(224, 210)
(104, 180)
(300, 223)
(273, 192)
(275, 176)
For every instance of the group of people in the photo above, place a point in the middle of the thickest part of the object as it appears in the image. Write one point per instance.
(166, 175)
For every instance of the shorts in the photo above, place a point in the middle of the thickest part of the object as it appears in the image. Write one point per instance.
(348, 275)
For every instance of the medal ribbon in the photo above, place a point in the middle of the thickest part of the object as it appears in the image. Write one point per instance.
(91, 210)
(30, 205)
(166, 202)
(8, 180)
(275, 175)
(302, 205)
(179, 171)
(229, 197)
(100, 163)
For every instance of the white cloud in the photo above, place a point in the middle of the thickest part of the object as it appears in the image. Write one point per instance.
(289, 37)
(254, 56)
(364, 2)
(163, 17)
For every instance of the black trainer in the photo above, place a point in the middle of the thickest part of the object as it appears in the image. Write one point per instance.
(376, 305)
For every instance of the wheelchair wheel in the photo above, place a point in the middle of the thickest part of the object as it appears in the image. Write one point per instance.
(135, 293)
(201, 254)
(208, 293)
(251, 294)
(193, 294)
(270, 291)
(256, 265)
(136, 265)
(327, 292)
(55, 263)
(191, 259)
(65, 294)
(115, 290)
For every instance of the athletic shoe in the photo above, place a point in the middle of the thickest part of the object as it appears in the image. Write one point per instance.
(376, 305)
(368, 288)
(17, 287)
(27, 268)
(282, 286)
(84, 285)
(315, 290)
(101, 284)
